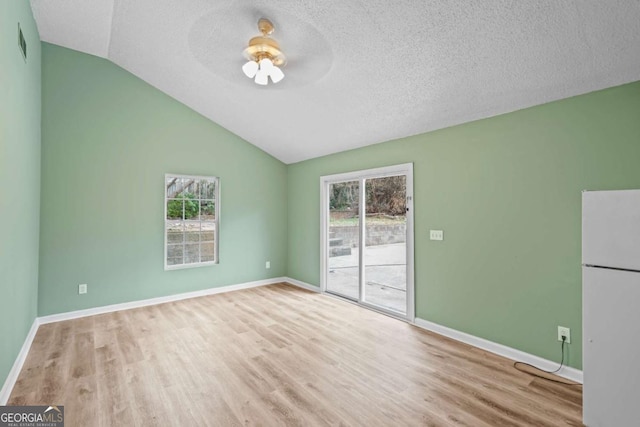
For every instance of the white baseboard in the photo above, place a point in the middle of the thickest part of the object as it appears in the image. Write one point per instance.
(490, 346)
(7, 388)
(9, 383)
(501, 350)
(301, 284)
(154, 301)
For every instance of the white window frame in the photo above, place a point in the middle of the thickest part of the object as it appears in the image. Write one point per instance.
(216, 259)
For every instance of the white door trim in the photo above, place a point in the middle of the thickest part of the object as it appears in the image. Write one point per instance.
(402, 169)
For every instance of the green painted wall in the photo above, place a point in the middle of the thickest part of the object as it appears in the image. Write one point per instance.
(507, 193)
(20, 178)
(108, 140)
(506, 190)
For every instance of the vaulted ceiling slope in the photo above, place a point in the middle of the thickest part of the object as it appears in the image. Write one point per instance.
(359, 72)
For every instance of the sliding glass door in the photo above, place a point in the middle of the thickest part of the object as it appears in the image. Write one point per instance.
(367, 238)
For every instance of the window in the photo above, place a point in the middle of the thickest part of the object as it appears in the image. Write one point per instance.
(191, 221)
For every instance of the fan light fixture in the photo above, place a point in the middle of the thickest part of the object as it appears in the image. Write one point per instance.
(264, 55)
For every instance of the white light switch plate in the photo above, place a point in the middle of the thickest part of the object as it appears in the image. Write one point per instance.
(82, 289)
(436, 235)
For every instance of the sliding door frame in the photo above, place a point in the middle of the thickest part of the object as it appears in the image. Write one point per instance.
(325, 181)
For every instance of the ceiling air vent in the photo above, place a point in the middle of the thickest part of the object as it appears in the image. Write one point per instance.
(22, 43)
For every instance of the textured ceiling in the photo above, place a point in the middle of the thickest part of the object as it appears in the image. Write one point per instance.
(358, 72)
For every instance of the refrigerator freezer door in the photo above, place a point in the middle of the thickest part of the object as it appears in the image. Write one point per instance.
(611, 229)
(611, 348)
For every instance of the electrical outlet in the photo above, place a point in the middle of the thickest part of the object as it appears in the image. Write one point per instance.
(267, 264)
(566, 332)
(436, 235)
(82, 289)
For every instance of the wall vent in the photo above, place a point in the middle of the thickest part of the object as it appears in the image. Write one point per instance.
(22, 43)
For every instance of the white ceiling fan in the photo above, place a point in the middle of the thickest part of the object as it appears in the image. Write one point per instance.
(264, 55)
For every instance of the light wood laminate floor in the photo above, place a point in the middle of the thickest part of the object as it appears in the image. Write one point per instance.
(277, 355)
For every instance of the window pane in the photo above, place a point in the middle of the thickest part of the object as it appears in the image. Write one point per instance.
(192, 231)
(175, 232)
(191, 253)
(208, 210)
(208, 190)
(385, 249)
(175, 209)
(192, 236)
(343, 276)
(208, 230)
(189, 189)
(173, 186)
(207, 251)
(174, 254)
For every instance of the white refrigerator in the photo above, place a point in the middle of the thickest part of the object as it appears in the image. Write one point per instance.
(611, 307)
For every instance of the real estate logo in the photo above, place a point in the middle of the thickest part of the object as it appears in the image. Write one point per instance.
(31, 416)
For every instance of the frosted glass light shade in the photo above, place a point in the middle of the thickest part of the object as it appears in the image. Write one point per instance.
(262, 77)
(276, 74)
(266, 64)
(250, 69)
(262, 71)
